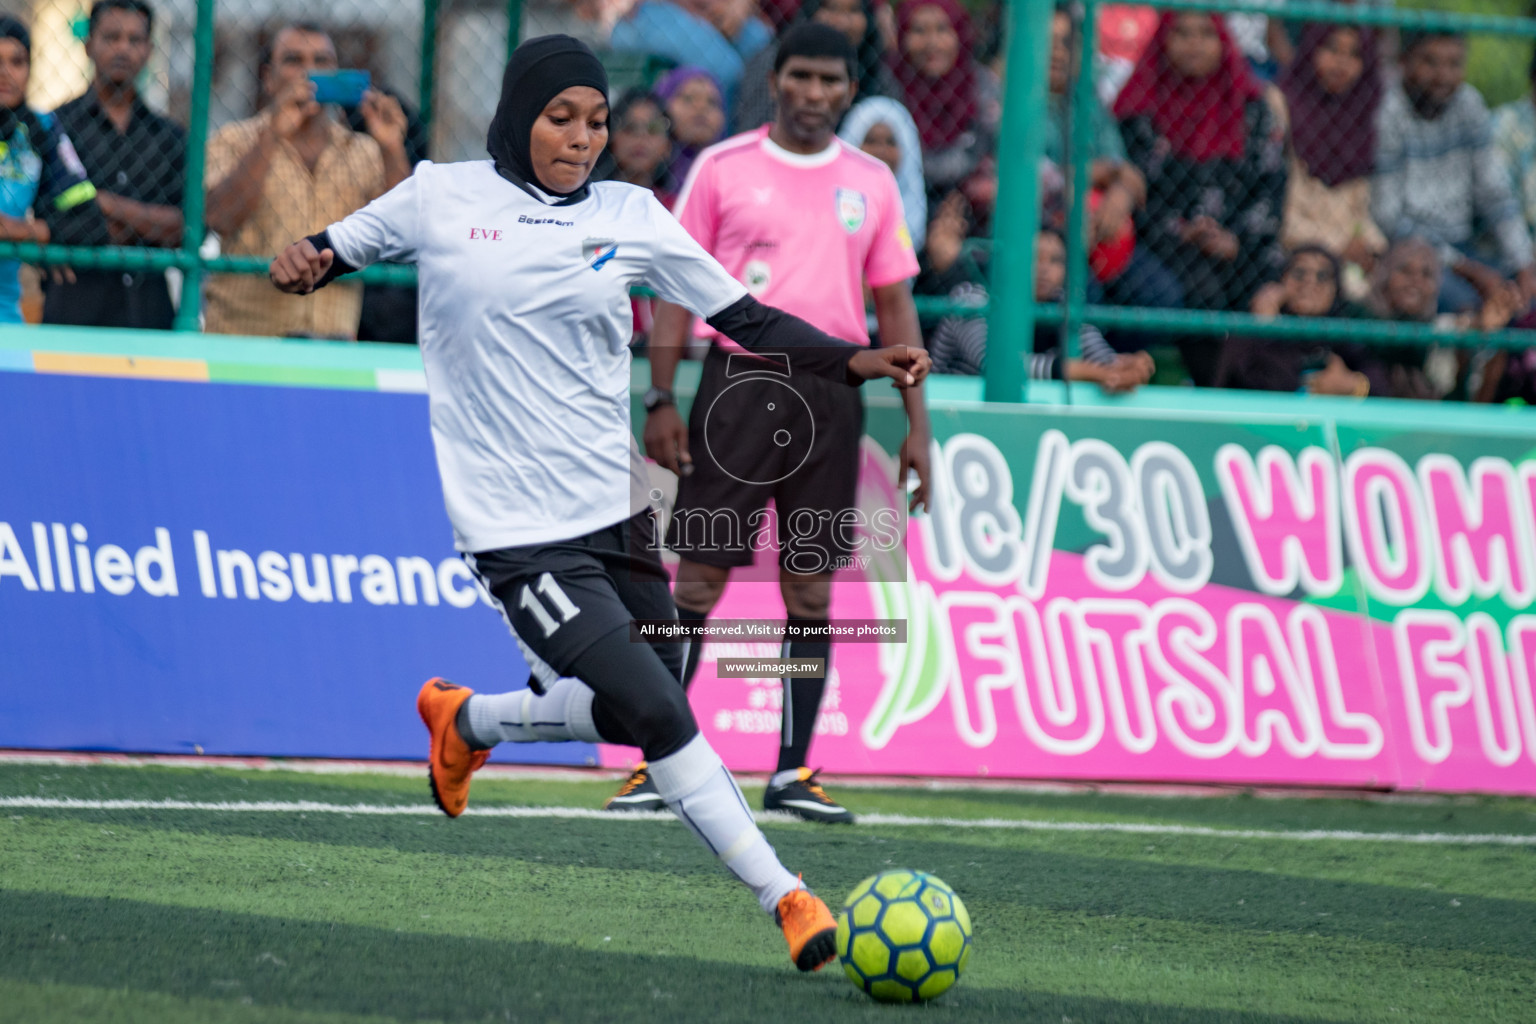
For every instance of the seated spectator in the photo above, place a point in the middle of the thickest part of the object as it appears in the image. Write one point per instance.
(639, 146)
(1406, 287)
(1126, 274)
(1309, 286)
(1439, 176)
(936, 71)
(696, 109)
(853, 18)
(138, 157)
(959, 344)
(881, 127)
(1196, 124)
(1332, 89)
(40, 171)
(719, 36)
(287, 172)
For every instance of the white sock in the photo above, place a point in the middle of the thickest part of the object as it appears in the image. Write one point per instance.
(564, 712)
(784, 778)
(695, 784)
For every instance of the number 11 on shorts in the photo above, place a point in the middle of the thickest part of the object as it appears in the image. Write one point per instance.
(557, 597)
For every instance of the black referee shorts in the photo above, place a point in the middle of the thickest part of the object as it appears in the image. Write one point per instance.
(758, 430)
(561, 598)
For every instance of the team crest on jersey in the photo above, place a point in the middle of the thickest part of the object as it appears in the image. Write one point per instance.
(756, 276)
(851, 209)
(598, 251)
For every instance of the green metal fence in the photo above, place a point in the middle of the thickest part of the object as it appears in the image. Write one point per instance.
(1012, 312)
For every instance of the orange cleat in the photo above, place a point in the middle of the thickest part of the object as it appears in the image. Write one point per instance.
(451, 761)
(809, 929)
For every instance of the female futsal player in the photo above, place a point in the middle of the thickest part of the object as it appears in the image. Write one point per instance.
(524, 273)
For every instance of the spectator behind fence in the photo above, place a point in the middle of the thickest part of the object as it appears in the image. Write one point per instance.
(1195, 122)
(1125, 274)
(1514, 137)
(1332, 90)
(1439, 176)
(856, 20)
(40, 173)
(1309, 286)
(288, 172)
(936, 70)
(959, 343)
(881, 127)
(719, 36)
(137, 160)
(1405, 287)
(639, 146)
(696, 108)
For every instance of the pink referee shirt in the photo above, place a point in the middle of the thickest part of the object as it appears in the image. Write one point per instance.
(801, 232)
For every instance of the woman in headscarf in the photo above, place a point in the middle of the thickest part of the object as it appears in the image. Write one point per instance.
(1309, 286)
(524, 271)
(1196, 123)
(696, 107)
(856, 20)
(937, 73)
(1332, 89)
(881, 127)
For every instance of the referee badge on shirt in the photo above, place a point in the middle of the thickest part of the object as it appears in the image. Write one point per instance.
(598, 251)
(850, 209)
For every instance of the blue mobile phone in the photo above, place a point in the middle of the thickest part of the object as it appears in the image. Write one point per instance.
(344, 86)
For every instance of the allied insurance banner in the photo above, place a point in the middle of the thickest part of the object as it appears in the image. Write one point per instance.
(1262, 595)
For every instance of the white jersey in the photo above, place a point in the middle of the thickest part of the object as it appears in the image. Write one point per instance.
(525, 330)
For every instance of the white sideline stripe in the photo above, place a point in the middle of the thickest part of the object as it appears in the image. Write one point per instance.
(590, 814)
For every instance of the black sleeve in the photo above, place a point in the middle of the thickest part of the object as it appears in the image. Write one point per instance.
(339, 266)
(66, 199)
(760, 328)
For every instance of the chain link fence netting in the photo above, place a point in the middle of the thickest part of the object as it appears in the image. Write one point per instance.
(1235, 162)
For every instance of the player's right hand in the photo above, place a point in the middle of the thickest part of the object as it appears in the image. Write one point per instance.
(298, 267)
(906, 366)
(666, 440)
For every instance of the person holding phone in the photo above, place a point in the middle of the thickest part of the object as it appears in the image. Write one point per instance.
(289, 171)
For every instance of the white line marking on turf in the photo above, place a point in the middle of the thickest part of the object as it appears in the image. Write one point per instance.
(898, 820)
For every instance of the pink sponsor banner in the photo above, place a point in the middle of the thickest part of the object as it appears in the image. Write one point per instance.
(1125, 662)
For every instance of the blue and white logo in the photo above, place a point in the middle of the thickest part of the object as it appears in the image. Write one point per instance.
(597, 251)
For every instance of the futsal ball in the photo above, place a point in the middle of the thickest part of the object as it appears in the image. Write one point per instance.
(903, 936)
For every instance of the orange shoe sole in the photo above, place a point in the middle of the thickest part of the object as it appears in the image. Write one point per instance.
(450, 761)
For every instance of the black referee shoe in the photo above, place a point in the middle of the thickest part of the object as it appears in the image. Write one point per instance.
(805, 797)
(638, 793)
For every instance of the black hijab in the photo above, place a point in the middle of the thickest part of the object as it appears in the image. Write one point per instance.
(539, 70)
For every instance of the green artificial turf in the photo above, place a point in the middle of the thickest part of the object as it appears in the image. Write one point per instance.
(195, 915)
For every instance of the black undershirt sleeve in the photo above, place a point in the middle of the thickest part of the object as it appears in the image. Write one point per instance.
(765, 329)
(339, 266)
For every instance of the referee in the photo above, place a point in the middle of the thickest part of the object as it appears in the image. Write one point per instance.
(807, 222)
(524, 273)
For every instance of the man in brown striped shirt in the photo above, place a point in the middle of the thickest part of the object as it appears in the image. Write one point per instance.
(288, 172)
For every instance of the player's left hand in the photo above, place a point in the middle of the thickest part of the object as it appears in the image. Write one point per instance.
(299, 266)
(384, 118)
(914, 456)
(905, 366)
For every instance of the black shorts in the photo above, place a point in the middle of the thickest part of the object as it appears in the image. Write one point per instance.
(758, 432)
(562, 597)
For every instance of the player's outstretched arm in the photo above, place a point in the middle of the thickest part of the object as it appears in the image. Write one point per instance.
(760, 328)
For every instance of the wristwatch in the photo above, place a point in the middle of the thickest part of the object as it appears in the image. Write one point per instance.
(656, 398)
